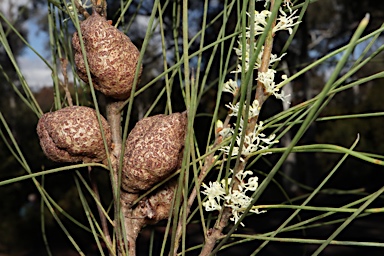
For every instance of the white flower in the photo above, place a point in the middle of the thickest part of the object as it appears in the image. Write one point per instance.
(252, 141)
(237, 200)
(252, 184)
(231, 87)
(211, 205)
(283, 97)
(288, 3)
(215, 193)
(241, 175)
(225, 149)
(274, 58)
(254, 109)
(239, 53)
(214, 190)
(260, 19)
(268, 80)
(223, 131)
(285, 22)
(233, 108)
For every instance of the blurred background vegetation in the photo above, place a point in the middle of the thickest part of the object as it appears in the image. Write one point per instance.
(327, 25)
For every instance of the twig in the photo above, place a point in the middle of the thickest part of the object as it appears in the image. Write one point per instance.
(81, 10)
(132, 225)
(114, 120)
(64, 63)
(260, 95)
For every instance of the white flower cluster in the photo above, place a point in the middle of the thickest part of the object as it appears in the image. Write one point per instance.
(218, 195)
(257, 65)
(254, 109)
(268, 80)
(231, 87)
(237, 199)
(252, 142)
(284, 22)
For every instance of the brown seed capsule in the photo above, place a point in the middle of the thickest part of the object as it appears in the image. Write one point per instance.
(111, 55)
(157, 206)
(153, 151)
(72, 134)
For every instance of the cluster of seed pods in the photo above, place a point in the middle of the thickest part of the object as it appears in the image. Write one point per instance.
(73, 134)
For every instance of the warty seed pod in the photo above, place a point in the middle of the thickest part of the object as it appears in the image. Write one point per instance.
(157, 206)
(112, 57)
(72, 134)
(154, 149)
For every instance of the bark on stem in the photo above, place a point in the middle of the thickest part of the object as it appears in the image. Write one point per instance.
(126, 200)
(260, 95)
(81, 10)
(132, 225)
(114, 118)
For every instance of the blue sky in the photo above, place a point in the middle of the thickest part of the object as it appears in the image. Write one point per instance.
(33, 68)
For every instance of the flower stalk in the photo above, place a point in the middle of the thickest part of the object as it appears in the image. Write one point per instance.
(232, 191)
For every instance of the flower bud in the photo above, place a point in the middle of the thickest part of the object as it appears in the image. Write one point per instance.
(72, 134)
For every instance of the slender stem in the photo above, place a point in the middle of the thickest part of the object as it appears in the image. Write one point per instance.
(81, 9)
(132, 225)
(260, 95)
(114, 120)
(64, 63)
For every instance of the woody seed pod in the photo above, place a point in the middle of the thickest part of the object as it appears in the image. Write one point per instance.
(112, 57)
(157, 206)
(154, 149)
(72, 134)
